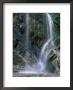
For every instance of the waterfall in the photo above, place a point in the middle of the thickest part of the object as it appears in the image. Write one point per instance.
(50, 24)
(50, 40)
(27, 31)
(48, 44)
(27, 35)
(40, 66)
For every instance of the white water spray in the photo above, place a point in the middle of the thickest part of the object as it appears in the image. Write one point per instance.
(48, 44)
(41, 64)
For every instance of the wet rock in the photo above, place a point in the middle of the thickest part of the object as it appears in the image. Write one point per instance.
(56, 63)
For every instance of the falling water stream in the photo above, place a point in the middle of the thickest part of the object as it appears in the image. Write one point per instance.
(44, 51)
(27, 31)
(40, 66)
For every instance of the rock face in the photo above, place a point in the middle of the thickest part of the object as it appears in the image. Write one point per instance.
(54, 58)
(29, 35)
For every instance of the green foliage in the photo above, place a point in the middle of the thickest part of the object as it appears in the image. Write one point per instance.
(56, 20)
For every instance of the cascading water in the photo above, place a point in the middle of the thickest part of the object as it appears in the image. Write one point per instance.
(27, 31)
(40, 66)
(48, 44)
